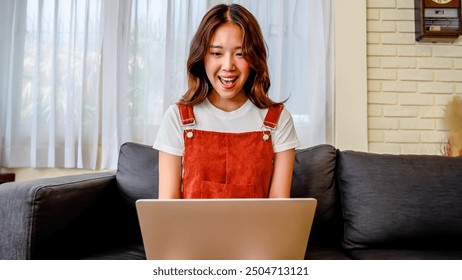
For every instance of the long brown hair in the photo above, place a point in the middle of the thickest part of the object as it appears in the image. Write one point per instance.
(253, 47)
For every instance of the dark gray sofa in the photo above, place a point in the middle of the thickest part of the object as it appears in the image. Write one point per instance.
(370, 206)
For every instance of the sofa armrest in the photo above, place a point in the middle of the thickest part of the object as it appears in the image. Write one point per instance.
(35, 214)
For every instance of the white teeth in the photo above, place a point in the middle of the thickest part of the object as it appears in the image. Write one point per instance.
(228, 80)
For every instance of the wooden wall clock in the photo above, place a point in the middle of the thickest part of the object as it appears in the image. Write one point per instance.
(437, 20)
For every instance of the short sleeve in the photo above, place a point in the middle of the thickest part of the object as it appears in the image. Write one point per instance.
(285, 137)
(170, 135)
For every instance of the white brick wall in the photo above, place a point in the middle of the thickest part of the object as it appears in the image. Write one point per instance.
(409, 83)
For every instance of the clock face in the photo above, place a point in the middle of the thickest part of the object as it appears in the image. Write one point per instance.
(441, 1)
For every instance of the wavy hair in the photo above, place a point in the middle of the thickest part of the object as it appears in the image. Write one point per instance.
(254, 50)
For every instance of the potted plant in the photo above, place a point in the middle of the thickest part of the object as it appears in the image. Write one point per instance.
(453, 120)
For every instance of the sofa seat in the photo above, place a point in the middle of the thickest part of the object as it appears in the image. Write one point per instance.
(129, 252)
(391, 254)
(319, 252)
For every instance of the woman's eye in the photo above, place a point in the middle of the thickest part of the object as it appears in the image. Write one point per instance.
(239, 54)
(216, 53)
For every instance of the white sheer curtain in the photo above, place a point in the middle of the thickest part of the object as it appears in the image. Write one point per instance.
(299, 35)
(49, 83)
(149, 51)
(80, 77)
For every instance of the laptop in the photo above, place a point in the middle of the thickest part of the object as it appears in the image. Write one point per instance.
(226, 229)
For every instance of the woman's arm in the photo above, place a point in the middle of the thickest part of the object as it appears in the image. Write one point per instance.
(169, 175)
(282, 174)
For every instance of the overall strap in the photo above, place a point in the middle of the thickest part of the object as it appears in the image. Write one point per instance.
(272, 116)
(186, 114)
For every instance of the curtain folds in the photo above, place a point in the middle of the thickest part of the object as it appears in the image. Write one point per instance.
(49, 80)
(79, 78)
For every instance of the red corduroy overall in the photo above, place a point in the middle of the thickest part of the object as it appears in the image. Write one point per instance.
(227, 165)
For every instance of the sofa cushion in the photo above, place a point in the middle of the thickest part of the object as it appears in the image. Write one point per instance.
(314, 176)
(137, 173)
(400, 201)
(390, 254)
(127, 252)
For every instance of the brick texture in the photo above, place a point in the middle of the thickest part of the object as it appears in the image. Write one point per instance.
(409, 83)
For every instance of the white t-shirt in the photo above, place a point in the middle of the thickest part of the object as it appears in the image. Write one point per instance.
(245, 119)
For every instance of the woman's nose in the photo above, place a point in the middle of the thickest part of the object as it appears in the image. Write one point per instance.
(228, 64)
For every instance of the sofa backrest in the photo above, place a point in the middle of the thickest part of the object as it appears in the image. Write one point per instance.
(313, 176)
(400, 201)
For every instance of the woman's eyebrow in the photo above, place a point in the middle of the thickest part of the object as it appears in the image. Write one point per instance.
(221, 47)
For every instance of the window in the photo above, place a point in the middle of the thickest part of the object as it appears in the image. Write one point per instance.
(79, 78)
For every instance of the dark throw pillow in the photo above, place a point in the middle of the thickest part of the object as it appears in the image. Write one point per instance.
(314, 176)
(137, 173)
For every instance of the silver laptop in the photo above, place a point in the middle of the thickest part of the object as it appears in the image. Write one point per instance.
(226, 229)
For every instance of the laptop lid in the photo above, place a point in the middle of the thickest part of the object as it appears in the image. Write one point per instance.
(225, 229)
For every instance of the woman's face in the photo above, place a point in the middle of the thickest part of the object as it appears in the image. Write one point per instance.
(226, 68)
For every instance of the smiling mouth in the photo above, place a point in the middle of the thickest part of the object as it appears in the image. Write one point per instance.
(227, 82)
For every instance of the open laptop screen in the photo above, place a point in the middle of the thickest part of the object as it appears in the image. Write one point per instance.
(225, 229)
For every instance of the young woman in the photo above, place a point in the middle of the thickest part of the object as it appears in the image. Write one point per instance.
(226, 138)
